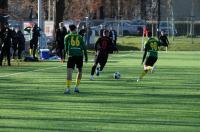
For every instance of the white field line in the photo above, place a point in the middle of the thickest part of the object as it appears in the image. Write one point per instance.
(13, 74)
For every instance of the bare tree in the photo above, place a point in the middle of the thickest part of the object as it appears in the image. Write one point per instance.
(3, 10)
(59, 6)
(3, 6)
(143, 9)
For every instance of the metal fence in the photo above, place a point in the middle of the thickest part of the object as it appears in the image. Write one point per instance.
(135, 27)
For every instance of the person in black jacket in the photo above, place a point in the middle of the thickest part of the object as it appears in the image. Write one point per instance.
(61, 32)
(14, 43)
(6, 37)
(113, 36)
(164, 40)
(20, 43)
(34, 41)
(102, 28)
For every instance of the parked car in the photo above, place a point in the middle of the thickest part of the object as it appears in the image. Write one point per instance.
(168, 28)
(140, 25)
(123, 27)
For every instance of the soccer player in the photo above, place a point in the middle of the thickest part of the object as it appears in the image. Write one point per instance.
(102, 48)
(164, 40)
(75, 48)
(151, 48)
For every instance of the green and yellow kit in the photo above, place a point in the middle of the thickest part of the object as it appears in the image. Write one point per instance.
(74, 45)
(151, 46)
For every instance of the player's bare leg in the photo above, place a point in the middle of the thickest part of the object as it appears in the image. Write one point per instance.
(146, 69)
(78, 80)
(69, 80)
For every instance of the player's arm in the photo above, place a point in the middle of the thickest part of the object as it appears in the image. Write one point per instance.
(145, 52)
(96, 44)
(112, 46)
(66, 43)
(144, 55)
(57, 35)
(115, 48)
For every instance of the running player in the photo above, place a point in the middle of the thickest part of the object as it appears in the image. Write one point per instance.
(103, 47)
(75, 48)
(151, 48)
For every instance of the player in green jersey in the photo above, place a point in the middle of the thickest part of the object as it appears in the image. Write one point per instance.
(75, 47)
(150, 55)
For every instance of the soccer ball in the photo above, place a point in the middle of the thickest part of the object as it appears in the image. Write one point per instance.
(116, 75)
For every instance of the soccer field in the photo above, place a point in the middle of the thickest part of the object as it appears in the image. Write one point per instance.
(32, 99)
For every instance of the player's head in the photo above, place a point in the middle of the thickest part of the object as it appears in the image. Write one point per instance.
(149, 34)
(72, 28)
(106, 33)
(162, 33)
(61, 24)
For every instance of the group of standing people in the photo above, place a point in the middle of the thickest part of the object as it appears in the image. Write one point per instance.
(10, 39)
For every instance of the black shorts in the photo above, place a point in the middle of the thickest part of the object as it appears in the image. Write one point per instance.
(101, 59)
(75, 60)
(150, 61)
(33, 44)
(165, 44)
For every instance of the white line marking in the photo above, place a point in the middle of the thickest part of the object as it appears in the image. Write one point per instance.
(30, 71)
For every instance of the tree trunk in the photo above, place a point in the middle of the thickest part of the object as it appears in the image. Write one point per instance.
(59, 12)
(143, 9)
(4, 4)
(3, 12)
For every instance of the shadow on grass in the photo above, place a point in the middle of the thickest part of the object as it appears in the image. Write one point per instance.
(102, 120)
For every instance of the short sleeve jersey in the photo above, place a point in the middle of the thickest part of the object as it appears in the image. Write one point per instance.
(74, 44)
(152, 47)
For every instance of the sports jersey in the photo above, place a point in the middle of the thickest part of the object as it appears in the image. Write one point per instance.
(103, 45)
(74, 45)
(151, 46)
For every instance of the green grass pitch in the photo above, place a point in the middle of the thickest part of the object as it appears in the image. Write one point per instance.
(32, 99)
